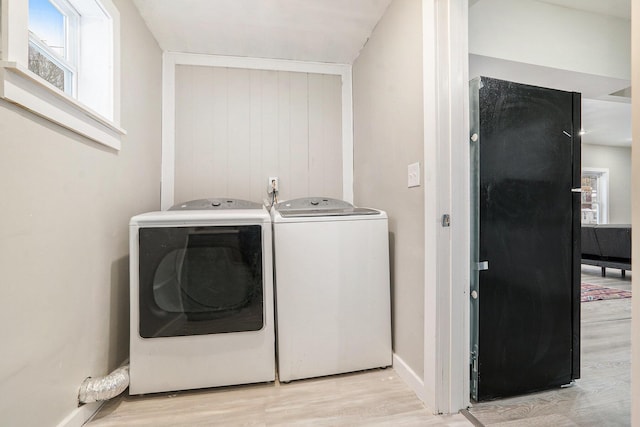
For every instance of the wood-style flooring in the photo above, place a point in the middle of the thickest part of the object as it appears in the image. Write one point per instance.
(371, 398)
(602, 396)
(380, 398)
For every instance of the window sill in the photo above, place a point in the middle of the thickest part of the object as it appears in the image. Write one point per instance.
(20, 86)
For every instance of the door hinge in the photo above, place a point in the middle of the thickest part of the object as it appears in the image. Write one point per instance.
(473, 367)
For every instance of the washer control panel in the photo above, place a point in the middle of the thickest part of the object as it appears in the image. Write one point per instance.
(320, 206)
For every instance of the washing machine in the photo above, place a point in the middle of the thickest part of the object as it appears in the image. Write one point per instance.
(202, 310)
(332, 288)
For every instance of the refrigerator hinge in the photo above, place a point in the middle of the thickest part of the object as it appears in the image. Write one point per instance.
(482, 265)
(473, 360)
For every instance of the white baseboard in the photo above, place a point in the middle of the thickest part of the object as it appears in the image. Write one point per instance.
(414, 382)
(79, 416)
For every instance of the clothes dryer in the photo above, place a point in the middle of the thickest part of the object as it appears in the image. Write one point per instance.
(332, 288)
(201, 296)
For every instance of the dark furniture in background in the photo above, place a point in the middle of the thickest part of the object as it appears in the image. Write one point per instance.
(607, 245)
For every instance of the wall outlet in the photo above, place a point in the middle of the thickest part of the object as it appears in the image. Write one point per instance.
(413, 171)
(273, 184)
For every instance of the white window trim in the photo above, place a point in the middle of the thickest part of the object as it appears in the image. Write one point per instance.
(69, 61)
(20, 86)
(72, 29)
(70, 71)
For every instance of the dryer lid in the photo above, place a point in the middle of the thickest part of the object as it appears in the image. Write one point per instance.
(320, 206)
(216, 203)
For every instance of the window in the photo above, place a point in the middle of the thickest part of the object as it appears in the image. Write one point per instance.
(53, 42)
(60, 59)
(594, 203)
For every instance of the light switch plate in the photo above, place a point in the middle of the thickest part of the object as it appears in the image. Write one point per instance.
(413, 171)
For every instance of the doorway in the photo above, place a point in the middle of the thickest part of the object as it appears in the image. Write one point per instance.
(597, 314)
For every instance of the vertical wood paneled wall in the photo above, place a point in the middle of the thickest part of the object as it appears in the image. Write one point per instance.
(236, 127)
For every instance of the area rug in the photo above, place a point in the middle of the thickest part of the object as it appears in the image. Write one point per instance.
(590, 292)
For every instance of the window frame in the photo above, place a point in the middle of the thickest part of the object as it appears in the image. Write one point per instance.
(23, 87)
(602, 177)
(69, 62)
(70, 70)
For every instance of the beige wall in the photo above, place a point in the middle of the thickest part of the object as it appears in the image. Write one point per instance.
(635, 198)
(236, 127)
(618, 161)
(65, 205)
(388, 136)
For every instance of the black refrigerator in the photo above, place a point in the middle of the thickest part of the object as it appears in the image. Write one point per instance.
(525, 286)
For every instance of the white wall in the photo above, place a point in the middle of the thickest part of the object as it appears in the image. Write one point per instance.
(388, 136)
(236, 127)
(65, 205)
(618, 161)
(552, 36)
(635, 206)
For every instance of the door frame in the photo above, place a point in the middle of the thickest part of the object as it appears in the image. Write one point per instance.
(447, 177)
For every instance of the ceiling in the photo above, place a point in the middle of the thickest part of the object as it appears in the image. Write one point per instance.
(617, 8)
(606, 119)
(332, 31)
(606, 122)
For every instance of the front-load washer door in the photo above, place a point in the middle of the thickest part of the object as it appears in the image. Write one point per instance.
(200, 280)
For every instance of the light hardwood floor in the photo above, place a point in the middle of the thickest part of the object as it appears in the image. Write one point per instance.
(379, 397)
(372, 398)
(601, 397)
